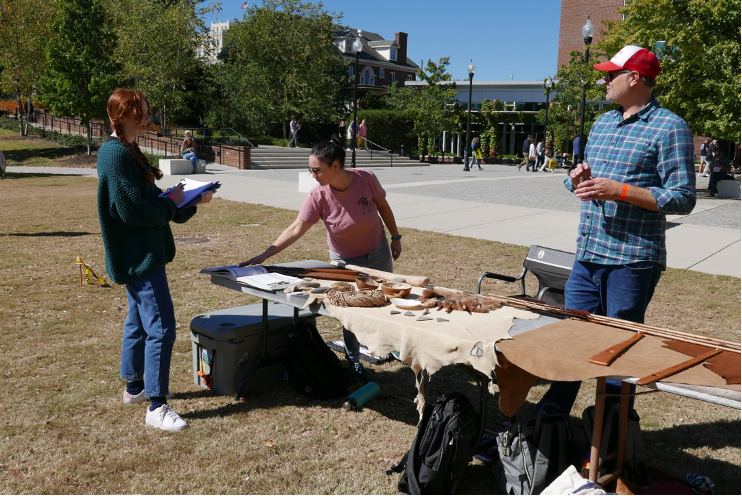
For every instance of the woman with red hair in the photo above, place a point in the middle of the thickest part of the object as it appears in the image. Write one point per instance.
(135, 226)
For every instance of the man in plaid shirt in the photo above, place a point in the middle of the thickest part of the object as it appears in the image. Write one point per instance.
(639, 166)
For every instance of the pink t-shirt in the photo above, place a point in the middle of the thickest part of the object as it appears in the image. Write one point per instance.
(352, 219)
(362, 130)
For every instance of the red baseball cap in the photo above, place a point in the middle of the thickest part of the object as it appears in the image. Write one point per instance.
(633, 58)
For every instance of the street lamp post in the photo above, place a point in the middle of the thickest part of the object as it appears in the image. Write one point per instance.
(467, 149)
(357, 48)
(587, 35)
(548, 83)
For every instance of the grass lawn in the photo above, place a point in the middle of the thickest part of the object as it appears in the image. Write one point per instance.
(66, 429)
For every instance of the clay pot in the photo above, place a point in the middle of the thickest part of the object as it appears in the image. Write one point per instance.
(396, 289)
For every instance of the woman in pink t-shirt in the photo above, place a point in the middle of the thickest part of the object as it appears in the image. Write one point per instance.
(352, 205)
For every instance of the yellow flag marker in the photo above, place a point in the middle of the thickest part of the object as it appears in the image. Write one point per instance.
(89, 272)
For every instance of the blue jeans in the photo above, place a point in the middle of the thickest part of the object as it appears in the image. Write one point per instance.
(479, 162)
(380, 258)
(620, 291)
(193, 158)
(149, 333)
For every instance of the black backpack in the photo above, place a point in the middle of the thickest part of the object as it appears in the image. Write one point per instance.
(312, 368)
(444, 445)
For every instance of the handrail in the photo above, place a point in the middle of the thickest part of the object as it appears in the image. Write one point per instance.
(391, 153)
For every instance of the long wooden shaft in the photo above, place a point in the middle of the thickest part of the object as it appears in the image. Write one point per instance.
(643, 327)
(606, 357)
(658, 376)
(721, 344)
(419, 281)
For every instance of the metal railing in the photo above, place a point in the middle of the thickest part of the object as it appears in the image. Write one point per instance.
(381, 148)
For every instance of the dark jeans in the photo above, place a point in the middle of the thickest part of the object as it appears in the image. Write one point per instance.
(716, 177)
(620, 291)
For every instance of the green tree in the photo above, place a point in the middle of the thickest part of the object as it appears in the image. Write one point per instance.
(24, 31)
(698, 43)
(283, 62)
(490, 117)
(566, 98)
(157, 48)
(435, 106)
(80, 74)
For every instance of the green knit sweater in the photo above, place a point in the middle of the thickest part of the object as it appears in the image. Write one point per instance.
(134, 221)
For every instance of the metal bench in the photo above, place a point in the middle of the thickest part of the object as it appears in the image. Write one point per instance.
(551, 267)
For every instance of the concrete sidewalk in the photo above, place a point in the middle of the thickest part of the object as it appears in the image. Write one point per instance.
(498, 204)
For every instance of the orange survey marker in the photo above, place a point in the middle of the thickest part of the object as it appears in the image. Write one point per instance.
(89, 273)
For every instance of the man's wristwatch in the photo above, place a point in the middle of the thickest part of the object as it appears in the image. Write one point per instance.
(396, 238)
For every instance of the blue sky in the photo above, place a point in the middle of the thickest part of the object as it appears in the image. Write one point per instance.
(503, 37)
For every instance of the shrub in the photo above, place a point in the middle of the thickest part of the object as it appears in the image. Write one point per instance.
(70, 140)
(9, 124)
(390, 128)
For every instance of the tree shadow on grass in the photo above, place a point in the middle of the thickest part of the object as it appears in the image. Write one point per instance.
(9, 176)
(52, 234)
(33, 155)
(395, 402)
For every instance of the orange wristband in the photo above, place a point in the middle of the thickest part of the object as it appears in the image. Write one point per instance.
(624, 192)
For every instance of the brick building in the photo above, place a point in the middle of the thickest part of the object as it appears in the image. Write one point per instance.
(381, 63)
(573, 17)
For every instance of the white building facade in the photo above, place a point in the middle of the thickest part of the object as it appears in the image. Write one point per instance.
(215, 42)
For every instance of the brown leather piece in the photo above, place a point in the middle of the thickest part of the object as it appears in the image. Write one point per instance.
(726, 364)
(514, 384)
(560, 352)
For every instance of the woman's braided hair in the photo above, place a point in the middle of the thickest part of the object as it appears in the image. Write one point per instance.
(122, 105)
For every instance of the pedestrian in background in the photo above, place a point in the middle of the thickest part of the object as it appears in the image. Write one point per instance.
(531, 155)
(362, 134)
(295, 126)
(704, 148)
(710, 154)
(539, 155)
(339, 137)
(476, 154)
(526, 148)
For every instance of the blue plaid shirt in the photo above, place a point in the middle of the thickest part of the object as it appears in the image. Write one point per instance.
(652, 149)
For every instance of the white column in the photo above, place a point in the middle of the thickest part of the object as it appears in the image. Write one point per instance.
(443, 143)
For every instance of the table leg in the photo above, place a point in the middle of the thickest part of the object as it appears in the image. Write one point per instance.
(597, 429)
(623, 420)
(264, 337)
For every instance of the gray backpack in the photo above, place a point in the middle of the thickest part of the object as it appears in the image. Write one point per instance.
(533, 452)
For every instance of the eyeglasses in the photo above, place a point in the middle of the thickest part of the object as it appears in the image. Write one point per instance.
(609, 77)
(315, 172)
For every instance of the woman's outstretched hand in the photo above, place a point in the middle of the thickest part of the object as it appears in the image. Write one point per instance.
(255, 260)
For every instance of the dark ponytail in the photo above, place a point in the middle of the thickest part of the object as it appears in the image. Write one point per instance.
(330, 151)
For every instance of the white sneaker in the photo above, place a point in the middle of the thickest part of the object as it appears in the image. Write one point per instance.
(165, 418)
(132, 399)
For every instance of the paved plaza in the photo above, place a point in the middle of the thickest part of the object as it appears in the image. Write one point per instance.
(498, 203)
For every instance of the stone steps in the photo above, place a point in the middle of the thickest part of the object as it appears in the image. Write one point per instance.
(274, 157)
